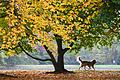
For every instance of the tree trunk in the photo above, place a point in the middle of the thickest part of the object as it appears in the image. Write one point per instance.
(61, 61)
(59, 66)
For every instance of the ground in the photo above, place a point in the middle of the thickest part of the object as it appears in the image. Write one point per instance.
(42, 75)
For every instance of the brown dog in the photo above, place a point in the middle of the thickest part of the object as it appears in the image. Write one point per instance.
(87, 63)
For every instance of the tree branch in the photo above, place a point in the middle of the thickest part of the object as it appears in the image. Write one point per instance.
(66, 49)
(50, 54)
(59, 42)
(33, 56)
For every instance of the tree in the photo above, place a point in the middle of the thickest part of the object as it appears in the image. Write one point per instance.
(57, 25)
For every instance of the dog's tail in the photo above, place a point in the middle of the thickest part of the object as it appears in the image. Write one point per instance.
(79, 59)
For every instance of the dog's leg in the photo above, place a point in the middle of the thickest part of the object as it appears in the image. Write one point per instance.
(93, 67)
(89, 67)
(85, 67)
(80, 67)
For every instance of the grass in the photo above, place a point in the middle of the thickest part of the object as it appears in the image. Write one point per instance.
(50, 67)
(108, 66)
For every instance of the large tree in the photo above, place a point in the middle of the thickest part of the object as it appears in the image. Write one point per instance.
(57, 25)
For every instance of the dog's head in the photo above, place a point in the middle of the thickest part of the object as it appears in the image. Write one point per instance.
(94, 61)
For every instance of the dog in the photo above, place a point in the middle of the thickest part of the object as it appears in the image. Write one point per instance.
(86, 63)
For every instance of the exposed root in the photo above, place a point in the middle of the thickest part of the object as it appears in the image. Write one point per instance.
(61, 71)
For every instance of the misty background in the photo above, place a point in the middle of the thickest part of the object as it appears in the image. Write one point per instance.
(103, 55)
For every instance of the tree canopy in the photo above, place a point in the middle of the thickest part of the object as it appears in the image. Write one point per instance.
(91, 22)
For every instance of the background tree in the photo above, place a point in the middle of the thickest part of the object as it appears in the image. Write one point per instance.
(58, 25)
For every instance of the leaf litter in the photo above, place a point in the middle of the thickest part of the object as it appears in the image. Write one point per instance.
(43, 75)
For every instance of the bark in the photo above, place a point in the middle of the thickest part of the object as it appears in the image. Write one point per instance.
(61, 52)
(52, 57)
(60, 62)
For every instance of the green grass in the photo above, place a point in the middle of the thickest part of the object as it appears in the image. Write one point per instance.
(107, 66)
(69, 67)
(97, 66)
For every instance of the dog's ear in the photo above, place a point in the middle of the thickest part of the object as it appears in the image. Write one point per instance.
(94, 61)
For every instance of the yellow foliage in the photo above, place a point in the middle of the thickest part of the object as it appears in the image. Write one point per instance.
(48, 17)
(10, 52)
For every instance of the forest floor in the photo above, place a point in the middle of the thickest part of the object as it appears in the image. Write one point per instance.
(43, 75)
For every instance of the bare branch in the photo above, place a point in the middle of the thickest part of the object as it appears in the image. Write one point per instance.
(50, 54)
(66, 49)
(33, 56)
